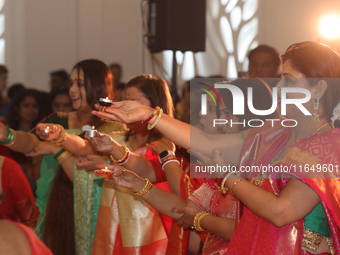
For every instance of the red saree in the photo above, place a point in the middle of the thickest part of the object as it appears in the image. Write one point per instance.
(179, 237)
(213, 201)
(257, 236)
(127, 224)
(19, 202)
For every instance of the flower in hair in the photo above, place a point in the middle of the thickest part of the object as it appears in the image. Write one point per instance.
(336, 113)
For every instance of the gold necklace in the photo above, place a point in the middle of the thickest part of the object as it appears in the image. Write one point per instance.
(321, 127)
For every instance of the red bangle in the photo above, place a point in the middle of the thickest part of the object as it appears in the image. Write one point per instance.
(156, 109)
(124, 160)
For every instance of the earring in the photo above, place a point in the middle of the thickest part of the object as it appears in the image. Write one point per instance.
(315, 116)
(279, 91)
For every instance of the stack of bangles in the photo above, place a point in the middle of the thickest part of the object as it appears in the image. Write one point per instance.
(145, 190)
(62, 137)
(124, 158)
(168, 159)
(197, 220)
(61, 156)
(10, 138)
(223, 187)
(157, 111)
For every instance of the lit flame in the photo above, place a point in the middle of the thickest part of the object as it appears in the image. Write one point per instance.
(92, 127)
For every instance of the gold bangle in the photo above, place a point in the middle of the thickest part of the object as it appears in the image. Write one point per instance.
(126, 150)
(62, 137)
(145, 190)
(14, 137)
(62, 158)
(197, 220)
(151, 126)
(168, 158)
(239, 180)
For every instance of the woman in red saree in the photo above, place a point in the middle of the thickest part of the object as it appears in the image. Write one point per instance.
(276, 214)
(19, 202)
(16, 238)
(207, 197)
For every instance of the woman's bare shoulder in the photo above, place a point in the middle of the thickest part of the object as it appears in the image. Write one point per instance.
(13, 241)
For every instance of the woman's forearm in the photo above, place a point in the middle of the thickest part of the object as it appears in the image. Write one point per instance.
(24, 142)
(136, 163)
(68, 166)
(220, 226)
(163, 201)
(295, 201)
(78, 146)
(173, 174)
(188, 136)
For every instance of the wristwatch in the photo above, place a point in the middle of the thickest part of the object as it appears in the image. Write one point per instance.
(165, 154)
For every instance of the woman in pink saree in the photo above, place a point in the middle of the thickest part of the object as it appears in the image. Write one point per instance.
(282, 215)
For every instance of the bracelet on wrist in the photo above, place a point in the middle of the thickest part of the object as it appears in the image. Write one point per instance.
(151, 126)
(239, 180)
(62, 137)
(156, 109)
(165, 154)
(197, 220)
(163, 160)
(63, 157)
(223, 188)
(10, 138)
(58, 154)
(124, 158)
(146, 189)
(168, 161)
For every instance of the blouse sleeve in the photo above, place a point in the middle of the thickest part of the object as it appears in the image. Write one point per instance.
(203, 195)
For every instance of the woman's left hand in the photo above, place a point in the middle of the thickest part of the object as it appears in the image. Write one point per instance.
(89, 162)
(103, 143)
(209, 161)
(187, 219)
(54, 131)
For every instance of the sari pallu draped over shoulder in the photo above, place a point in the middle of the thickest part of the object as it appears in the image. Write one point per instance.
(126, 223)
(255, 235)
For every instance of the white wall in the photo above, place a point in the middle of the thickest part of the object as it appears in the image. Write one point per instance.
(44, 35)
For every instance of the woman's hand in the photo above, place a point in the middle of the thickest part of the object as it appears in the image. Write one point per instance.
(125, 111)
(103, 143)
(54, 133)
(187, 219)
(206, 160)
(89, 162)
(163, 145)
(124, 178)
(44, 148)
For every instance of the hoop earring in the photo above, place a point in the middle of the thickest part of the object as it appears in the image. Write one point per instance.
(315, 116)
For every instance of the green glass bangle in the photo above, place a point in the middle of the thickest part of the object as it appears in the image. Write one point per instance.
(9, 137)
(58, 154)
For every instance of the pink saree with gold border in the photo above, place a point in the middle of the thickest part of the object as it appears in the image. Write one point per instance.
(255, 235)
